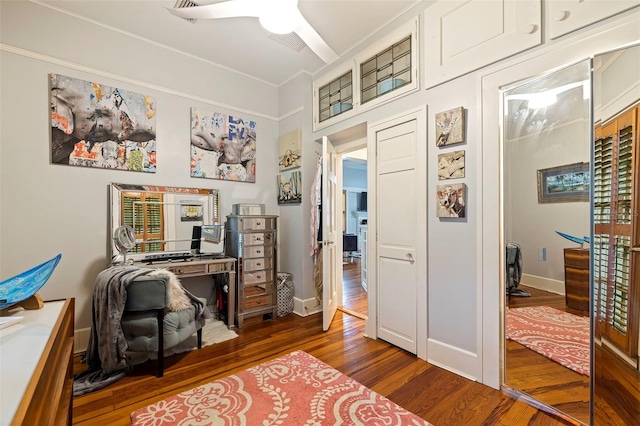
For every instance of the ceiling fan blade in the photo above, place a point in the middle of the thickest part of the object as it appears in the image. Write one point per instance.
(226, 9)
(312, 39)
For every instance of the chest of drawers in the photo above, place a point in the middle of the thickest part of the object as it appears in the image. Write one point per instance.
(252, 240)
(576, 278)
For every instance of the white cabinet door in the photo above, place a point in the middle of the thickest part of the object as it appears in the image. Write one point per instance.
(564, 16)
(464, 35)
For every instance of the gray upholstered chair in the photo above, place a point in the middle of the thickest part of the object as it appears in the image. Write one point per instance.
(146, 312)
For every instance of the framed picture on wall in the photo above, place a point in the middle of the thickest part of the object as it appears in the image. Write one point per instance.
(451, 200)
(95, 125)
(290, 188)
(451, 165)
(222, 146)
(450, 127)
(290, 150)
(563, 184)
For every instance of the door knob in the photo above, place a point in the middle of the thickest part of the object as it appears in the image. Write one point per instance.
(410, 257)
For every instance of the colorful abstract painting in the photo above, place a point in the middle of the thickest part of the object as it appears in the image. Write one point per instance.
(222, 147)
(290, 150)
(290, 188)
(94, 125)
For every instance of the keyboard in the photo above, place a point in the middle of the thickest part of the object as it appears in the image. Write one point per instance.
(167, 257)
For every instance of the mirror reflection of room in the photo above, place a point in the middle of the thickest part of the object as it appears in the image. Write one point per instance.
(546, 137)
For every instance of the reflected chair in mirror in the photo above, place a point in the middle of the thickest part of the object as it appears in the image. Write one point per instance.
(146, 312)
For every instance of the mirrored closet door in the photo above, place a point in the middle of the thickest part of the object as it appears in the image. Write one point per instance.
(546, 185)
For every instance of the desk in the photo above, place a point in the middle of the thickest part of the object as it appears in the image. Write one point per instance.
(200, 268)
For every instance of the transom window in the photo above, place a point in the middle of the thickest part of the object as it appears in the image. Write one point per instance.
(336, 97)
(386, 71)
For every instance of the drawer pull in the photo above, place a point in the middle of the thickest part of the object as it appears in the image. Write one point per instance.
(258, 223)
(635, 249)
(259, 264)
(258, 302)
(258, 251)
(258, 276)
(258, 238)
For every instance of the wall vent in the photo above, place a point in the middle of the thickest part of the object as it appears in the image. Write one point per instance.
(291, 40)
(186, 3)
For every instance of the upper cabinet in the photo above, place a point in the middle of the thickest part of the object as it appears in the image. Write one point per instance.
(565, 16)
(464, 35)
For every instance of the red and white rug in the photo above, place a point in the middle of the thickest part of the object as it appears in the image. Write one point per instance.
(296, 389)
(558, 335)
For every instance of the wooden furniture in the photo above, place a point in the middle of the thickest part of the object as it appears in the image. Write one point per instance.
(37, 366)
(202, 267)
(576, 278)
(252, 240)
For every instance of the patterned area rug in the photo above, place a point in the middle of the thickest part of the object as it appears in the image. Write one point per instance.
(296, 389)
(560, 336)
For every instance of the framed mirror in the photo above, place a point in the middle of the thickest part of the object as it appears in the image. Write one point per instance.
(546, 128)
(166, 219)
(616, 237)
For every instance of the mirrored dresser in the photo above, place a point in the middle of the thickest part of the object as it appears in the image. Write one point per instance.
(252, 240)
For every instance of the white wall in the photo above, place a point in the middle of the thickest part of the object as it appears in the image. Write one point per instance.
(463, 255)
(48, 209)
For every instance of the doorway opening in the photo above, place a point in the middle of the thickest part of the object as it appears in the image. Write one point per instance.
(354, 227)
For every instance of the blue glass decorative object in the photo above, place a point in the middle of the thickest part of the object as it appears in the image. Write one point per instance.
(579, 240)
(23, 286)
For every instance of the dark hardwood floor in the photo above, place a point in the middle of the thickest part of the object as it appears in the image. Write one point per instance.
(441, 397)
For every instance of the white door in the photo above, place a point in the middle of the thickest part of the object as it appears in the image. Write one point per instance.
(398, 231)
(330, 270)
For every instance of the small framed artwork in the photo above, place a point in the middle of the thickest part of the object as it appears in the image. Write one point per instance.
(450, 127)
(190, 211)
(290, 188)
(451, 200)
(563, 184)
(290, 150)
(451, 165)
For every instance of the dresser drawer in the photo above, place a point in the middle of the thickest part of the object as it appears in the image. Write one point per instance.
(257, 264)
(187, 269)
(577, 258)
(252, 290)
(258, 238)
(254, 277)
(256, 223)
(258, 251)
(259, 302)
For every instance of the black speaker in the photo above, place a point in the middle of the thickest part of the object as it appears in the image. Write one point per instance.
(196, 236)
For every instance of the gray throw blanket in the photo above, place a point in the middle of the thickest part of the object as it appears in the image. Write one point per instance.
(107, 346)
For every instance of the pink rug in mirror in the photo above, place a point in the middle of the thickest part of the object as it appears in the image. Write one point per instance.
(558, 335)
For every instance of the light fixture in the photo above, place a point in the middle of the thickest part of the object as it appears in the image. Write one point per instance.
(280, 16)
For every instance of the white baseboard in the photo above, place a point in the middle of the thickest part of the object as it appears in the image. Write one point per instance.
(306, 307)
(456, 360)
(81, 340)
(541, 283)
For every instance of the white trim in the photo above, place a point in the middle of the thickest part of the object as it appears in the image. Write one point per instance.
(81, 340)
(542, 283)
(453, 359)
(140, 83)
(305, 307)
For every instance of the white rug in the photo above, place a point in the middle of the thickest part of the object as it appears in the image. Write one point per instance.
(214, 331)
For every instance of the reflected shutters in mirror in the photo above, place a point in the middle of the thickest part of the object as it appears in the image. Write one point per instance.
(144, 213)
(164, 217)
(615, 218)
